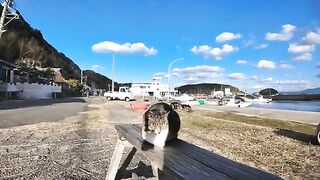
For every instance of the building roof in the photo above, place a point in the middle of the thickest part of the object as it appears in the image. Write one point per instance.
(7, 64)
(59, 78)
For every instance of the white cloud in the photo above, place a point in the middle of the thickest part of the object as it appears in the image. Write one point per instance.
(191, 79)
(304, 57)
(241, 62)
(126, 48)
(215, 53)
(258, 86)
(227, 36)
(261, 46)
(268, 79)
(297, 49)
(312, 37)
(293, 82)
(236, 76)
(260, 79)
(285, 66)
(197, 69)
(254, 77)
(285, 34)
(294, 85)
(96, 68)
(266, 64)
(198, 72)
(160, 74)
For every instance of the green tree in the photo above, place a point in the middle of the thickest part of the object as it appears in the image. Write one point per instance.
(28, 65)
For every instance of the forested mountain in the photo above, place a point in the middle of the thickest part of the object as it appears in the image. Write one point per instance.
(21, 41)
(98, 81)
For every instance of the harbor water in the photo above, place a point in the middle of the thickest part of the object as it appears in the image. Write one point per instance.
(311, 106)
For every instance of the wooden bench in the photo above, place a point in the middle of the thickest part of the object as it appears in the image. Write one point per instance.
(179, 159)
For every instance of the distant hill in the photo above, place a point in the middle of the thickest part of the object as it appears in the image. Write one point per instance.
(307, 91)
(99, 81)
(205, 88)
(268, 92)
(311, 91)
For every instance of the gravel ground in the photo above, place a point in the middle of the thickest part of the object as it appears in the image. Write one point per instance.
(253, 145)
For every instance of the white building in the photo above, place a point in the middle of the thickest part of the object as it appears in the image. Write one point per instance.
(9, 86)
(154, 88)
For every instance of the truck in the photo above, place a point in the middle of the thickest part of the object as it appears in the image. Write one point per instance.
(123, 94)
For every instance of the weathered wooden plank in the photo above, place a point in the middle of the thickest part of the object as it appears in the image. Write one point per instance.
(184, 153)
(174, 163)
(231, 168)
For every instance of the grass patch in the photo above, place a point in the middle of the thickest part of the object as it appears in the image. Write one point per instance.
(266, 122)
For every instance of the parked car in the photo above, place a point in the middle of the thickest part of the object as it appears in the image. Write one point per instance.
(123, 94)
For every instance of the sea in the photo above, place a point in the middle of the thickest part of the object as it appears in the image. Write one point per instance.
(312, 106)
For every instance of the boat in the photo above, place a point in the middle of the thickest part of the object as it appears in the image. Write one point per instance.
(259, 99)
(183, 98)
(233, 103)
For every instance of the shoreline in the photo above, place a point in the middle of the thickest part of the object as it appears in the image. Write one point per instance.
(284, 115)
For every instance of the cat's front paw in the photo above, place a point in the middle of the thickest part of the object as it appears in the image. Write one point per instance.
(159, 144)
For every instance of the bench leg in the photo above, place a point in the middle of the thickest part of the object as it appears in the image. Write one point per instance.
(127, 161)
(115, 161)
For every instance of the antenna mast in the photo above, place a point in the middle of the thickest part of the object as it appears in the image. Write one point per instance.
(6, 14)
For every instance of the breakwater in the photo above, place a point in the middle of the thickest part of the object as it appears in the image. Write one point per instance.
(300, 97)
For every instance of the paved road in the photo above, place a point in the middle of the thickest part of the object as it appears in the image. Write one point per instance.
(297, 116)
(18, 113)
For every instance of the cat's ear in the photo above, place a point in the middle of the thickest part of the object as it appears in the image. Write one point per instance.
(166, 113)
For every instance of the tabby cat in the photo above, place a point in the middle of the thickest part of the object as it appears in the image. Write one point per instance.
(160, 124)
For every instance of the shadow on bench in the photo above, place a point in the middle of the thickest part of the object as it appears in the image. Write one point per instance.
(179, 159)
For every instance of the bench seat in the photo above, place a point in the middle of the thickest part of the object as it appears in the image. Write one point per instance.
(182, 160)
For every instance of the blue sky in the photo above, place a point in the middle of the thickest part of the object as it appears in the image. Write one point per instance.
(248, 44)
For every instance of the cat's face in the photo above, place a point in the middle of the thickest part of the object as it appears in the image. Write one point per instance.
(157, 120)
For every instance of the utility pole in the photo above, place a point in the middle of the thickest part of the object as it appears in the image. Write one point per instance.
(6, 14)
(113, 66)
(81, 76)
